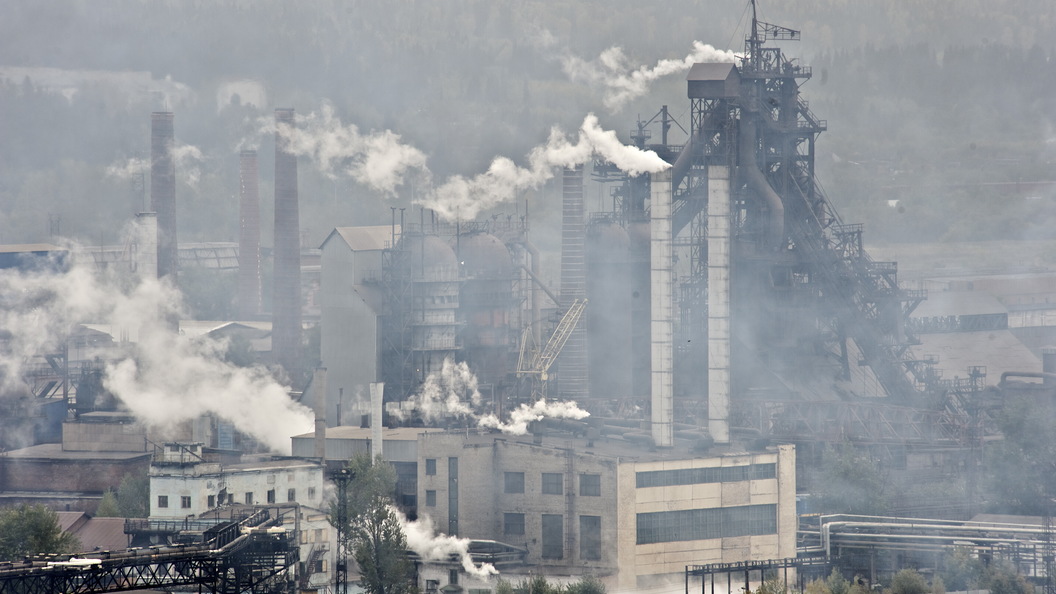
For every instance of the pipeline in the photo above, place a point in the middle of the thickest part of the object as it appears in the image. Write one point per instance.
(746, 144)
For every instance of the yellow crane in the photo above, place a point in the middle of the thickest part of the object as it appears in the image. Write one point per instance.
(536, 363)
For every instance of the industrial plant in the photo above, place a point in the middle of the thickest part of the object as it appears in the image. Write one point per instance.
(654, 410)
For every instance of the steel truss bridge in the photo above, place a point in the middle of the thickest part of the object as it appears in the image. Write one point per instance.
(251, 555)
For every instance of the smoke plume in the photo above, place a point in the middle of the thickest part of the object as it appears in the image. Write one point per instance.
(379, 159)
(128, 168)
(166, 378)
(524, 414)
(504, 180)
(423, 539)
(623, 83)
(453, 391)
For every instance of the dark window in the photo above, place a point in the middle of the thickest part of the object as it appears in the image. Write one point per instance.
(590, 485)
(249, 498)
(590, 538)
(291, 495)
(185, 501)
(430, 466)
(430, 498)
(553, 537)
(163, 501)
(432, 586)
(311, 493)
(271, 495)
(452, 576)
(553, 483)
(693, 476)
(212, 501)
(703, 524)
(514, 482)
(513, 524)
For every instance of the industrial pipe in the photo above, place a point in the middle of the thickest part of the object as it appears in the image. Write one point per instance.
(746, 144)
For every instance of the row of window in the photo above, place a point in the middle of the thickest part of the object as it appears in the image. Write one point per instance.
(704, 524)
(553, 538)
(553, 483)
(213, 500)
(693, 476)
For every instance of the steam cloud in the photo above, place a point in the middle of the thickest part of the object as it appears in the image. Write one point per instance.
(186, 158)
(128, 169)
(379, 160)
(623, 83)
(459, 197)
(168, 379)
(524, 414)
(444, 393)
(423, 539)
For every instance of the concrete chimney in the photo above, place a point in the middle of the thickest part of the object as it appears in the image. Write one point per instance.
(377, 398)
(249, 301)
(572, 363)
(145, 245)
(719, 246)
(286, 302)
(662, 263)
(163, 190)
(319, 393)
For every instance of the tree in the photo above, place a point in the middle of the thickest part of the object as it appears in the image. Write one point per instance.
(850, 481)
(31, 530)
(130, 500)
(909, 581)
(371, 528)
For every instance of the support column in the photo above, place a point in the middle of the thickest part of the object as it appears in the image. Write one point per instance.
(719, 243)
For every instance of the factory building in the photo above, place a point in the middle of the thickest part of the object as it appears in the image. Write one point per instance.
(632, 516)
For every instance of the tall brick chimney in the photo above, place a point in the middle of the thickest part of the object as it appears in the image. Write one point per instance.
(286, 302)
(163, 190)
(249, 305)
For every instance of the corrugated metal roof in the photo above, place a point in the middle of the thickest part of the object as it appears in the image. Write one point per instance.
(998, 350)
(702, 71)
(368, 238)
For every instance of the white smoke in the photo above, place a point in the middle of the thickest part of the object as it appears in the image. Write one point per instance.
(613, 71)
(504, 180)
(128, 168)
(168, 378)
(453, 391)
(423, 539)
(379, 159)
(524, 414)
(188, 160)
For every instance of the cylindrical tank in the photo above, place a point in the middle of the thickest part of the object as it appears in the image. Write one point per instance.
(429, 269)
(486, 304)
(608, 316)
(638, 235)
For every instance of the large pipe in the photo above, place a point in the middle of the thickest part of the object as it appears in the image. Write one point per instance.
(319, 393)
(286, 304)
(249, 304)
(746, 146)
(163, 190)
(661, 255)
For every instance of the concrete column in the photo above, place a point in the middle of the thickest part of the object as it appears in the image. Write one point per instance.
(662, 263)
(377, 397)
(719, 243)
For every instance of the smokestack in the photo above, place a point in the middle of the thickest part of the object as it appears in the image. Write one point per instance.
(286, 302)
(572, 363)
(377, 396)
(319, 390)
(719, 246)
(145, 245)
(249, 238)
(163, 190)
(661, 255)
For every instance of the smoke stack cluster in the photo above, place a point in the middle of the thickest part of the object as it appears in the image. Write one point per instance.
(286, 302)
(163, 190)
(249, 237)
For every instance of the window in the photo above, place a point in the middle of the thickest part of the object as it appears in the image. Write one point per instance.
(703, 524)
(513, 524)
(590, 538)
(249, 498)
(311, 493)
(452, 576)
(514, 482)
(553, 537)
(718, 474)
(291, 494)
(590, 485)
(432, 586)
(163, 501)
(430, 466)
(430, 498)
(271, 495)
(212, 501)
(185, 502)
(553, 483)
